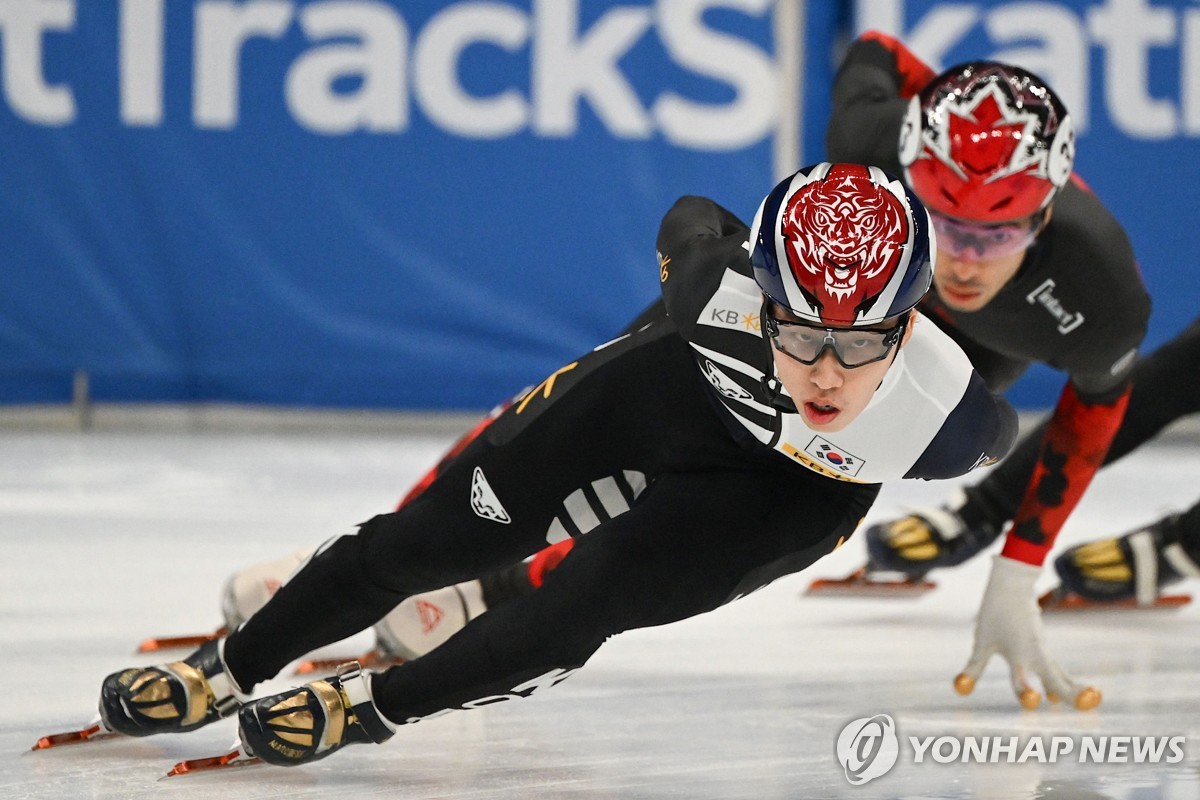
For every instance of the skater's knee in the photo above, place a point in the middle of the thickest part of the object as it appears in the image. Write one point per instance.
(402, 554)
(349, 566)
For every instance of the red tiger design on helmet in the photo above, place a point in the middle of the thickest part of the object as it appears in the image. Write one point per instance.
(845, 237)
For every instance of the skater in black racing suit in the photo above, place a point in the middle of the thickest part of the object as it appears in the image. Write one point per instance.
(750, 431)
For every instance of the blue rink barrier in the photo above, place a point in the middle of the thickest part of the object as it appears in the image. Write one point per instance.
(374, 204)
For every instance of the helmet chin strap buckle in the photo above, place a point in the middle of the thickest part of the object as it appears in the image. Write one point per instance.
(776, 398)
(772, 386)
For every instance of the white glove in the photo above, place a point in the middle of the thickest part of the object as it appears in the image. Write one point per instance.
(1010, 625)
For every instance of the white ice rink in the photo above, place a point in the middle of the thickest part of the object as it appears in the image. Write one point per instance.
(116, 534)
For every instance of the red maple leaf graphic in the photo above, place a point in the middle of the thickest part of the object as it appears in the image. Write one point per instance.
(992, 140)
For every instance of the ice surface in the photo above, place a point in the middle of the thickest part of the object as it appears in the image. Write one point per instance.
(111, 536)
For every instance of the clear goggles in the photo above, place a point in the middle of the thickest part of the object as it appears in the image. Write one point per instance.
(852, 347)
(982, 242)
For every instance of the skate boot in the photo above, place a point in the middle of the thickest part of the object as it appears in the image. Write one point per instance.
(249, 589)
(424, 621)
(306, 724)
(1137, 565)
(924, 540)
(171, 698)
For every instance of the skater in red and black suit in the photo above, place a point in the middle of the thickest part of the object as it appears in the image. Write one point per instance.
(1032, 268)
(749, 444)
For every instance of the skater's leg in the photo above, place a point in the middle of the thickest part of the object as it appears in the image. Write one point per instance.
(672, 557)
(692, 543)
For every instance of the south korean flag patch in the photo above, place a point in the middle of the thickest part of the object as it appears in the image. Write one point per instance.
(834, 457)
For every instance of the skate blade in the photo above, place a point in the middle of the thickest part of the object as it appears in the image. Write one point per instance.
(860, 583)
(232, 759)
(1057, 600)
(92, 733)
(156, 643)
(374, 659)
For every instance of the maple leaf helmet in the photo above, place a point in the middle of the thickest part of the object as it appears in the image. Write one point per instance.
(987, 142)
(842, 245)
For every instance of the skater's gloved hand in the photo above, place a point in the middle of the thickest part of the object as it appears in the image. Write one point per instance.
(1010, 625)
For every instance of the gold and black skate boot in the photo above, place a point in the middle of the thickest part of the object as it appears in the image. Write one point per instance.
(1137, 565)
(170, 698)
(924, 540)
(306, 724)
